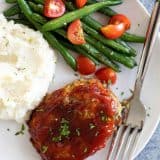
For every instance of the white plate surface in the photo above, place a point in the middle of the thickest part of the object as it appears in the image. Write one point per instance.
(19, 147)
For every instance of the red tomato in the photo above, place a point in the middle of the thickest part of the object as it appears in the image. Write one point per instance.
(54, 8)
(75, 33)
(80, 3)
(113, 31)
(107, 75)
(85, 66)
(120, 18)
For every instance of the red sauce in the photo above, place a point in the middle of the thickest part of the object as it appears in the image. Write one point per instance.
(73, 122)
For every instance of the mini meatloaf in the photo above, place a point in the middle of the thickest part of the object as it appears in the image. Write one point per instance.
(75, 121)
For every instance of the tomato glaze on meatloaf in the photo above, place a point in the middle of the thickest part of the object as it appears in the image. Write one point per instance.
(75, 121)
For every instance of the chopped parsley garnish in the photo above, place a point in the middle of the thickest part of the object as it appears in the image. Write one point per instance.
(57, 139)
(63, 131)
(50, 132)
(148, 115)
(21, 132)
(44, 149)
(103, 116)
(39, 110)
(91, 126)
(85, 150)
(78, 132)
(64, 128)
(122, 93)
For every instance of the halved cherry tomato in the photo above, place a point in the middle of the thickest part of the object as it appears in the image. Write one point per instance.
(75, 33)
(112, 31)
(80, 3)
(107, 75)
(85, 66)
(120, 18)
(54, 8)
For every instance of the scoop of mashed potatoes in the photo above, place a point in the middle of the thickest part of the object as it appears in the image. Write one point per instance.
(27, 66)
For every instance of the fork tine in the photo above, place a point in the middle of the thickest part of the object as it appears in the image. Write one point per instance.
(123, 142)
(114, 144)
(130, 144)
(134, 145)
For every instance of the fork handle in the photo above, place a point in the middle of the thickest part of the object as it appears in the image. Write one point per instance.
(152, 31)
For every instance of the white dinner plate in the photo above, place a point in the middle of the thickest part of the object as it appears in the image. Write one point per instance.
(19, 147)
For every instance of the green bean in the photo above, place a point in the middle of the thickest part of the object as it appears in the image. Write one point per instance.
(36, 7)
(12, 11)
(38, 18)
(110, 43)
(69, 17)
(127, 61)
(123, 43)
(64, 52)
(106, 10)
(49, 37)
(95, 25)
(39, 1)
(100, 57)
(76, 48)
(10, 1)
(79, 50)
(21, 21)
(22, 16)
(93, 52)
(128, 37)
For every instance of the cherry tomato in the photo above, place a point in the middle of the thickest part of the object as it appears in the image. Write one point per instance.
(54, 8)
(120, 18)
(75, 33)
(113, 31)
(80, 3)
(85, 66)
(107, 75)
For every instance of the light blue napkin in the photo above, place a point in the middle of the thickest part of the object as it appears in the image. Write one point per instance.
(148, 4)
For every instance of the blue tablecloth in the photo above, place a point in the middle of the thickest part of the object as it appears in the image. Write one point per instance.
(148, 4)
(152, 150)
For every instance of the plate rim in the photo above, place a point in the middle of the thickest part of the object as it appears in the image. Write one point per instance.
(140, 149)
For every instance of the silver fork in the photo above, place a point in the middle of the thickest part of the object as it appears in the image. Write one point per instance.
(125, 138)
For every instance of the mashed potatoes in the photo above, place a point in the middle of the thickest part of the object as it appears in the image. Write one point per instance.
(27, 66)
